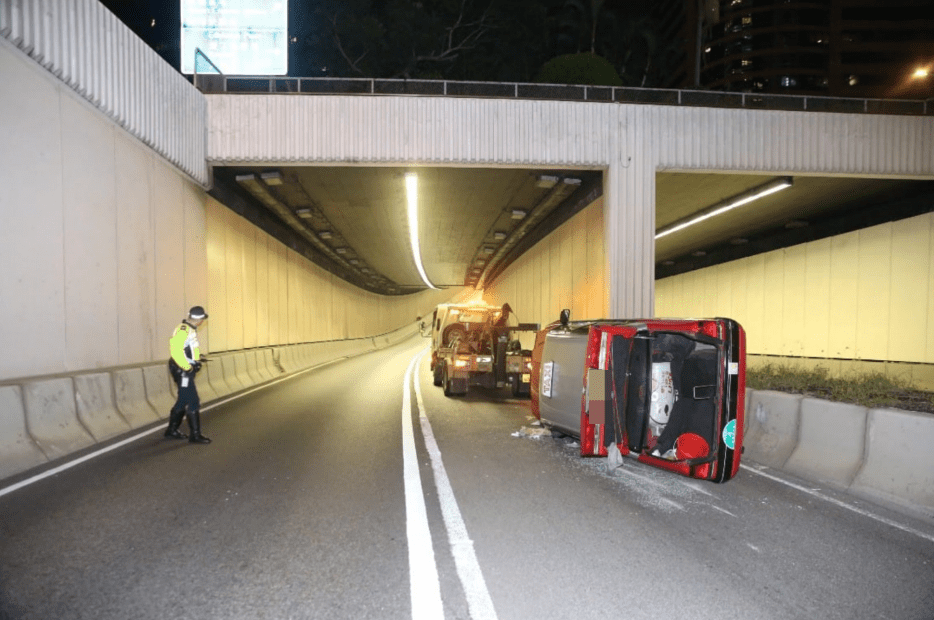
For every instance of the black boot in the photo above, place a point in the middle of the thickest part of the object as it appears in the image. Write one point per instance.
(175, 420)
(194, 425)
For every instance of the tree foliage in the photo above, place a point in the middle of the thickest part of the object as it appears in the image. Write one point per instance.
(486, 40)
(584, 68)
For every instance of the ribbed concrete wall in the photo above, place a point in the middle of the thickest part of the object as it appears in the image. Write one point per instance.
(429, 130)
(105, 63)
(791, 142)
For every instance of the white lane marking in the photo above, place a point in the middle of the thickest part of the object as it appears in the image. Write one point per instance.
(723, 510)
(424, 586)
(479, 602)
(696, 487)
(837, 502)
(70, 464)
(159, 427)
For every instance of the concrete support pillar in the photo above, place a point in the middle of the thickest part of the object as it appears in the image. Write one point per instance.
(629, 218)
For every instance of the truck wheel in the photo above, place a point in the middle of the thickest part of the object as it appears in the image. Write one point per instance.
(516, 382)
(446, 382)
(436, 376)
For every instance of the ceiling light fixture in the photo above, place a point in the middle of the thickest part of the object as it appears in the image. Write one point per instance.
(271, 178)
(411, 193)
(722, 207)
(518, 214)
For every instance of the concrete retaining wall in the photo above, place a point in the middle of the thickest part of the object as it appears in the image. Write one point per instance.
(130, 397)
(899, 460)
(44, 419)
(773, 419)
(882, 455)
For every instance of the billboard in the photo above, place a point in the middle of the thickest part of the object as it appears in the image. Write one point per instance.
(241, 37)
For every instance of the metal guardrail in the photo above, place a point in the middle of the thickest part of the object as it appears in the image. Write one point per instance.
(213, 84)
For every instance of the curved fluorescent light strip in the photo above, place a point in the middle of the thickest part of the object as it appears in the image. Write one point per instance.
(738, 201)
(411, 193)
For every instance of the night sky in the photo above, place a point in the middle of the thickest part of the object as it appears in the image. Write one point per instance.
(158, 23)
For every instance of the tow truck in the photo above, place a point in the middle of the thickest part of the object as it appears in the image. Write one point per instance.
(477, 345)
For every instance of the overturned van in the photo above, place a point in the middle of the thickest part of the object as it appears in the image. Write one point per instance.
(668, 392)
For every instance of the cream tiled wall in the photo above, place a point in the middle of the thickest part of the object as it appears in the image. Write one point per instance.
(262, 293)
(862, 300)
(567, 269)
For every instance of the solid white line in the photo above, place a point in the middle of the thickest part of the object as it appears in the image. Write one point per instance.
(97, 453)
(424, 586)
(479, 602)
(837, 502)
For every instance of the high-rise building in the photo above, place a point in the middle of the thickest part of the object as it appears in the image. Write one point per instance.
(837, 48)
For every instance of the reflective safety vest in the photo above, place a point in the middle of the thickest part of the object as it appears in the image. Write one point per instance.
(184, 346)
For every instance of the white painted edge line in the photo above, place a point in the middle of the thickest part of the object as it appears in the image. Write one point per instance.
(160, 426)
(860, 511)
(424, 585)
(479, 602)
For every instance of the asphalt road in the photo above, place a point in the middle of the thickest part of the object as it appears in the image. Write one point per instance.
(340, 494)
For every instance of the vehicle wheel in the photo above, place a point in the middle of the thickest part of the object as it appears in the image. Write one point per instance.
(516, 382)
(446, 382)
(437, 379)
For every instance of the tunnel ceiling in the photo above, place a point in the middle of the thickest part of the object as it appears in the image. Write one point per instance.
(474, 222)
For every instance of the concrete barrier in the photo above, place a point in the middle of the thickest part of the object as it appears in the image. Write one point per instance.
(252, 368)
(832, 438)
(240, 368)
(130, 397)
(95, 406)
(52, 419)
(773, 432)
(206, 391)
(285, 359)
(215, 377)
(267, 364)
(46, 419)
(158, 389)
(230, 373)
(17, 449)
(899, 462)
(747, 417)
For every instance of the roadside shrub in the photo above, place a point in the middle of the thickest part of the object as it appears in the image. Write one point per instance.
(873, 389)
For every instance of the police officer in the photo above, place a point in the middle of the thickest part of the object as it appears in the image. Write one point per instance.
(184, 364)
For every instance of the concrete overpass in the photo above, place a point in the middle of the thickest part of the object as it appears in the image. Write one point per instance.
(113, 226)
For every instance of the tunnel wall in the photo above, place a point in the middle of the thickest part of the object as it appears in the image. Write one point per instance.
(105, 245)
(261, 293)
(567, 269)
(102, 240)
(861, 301)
